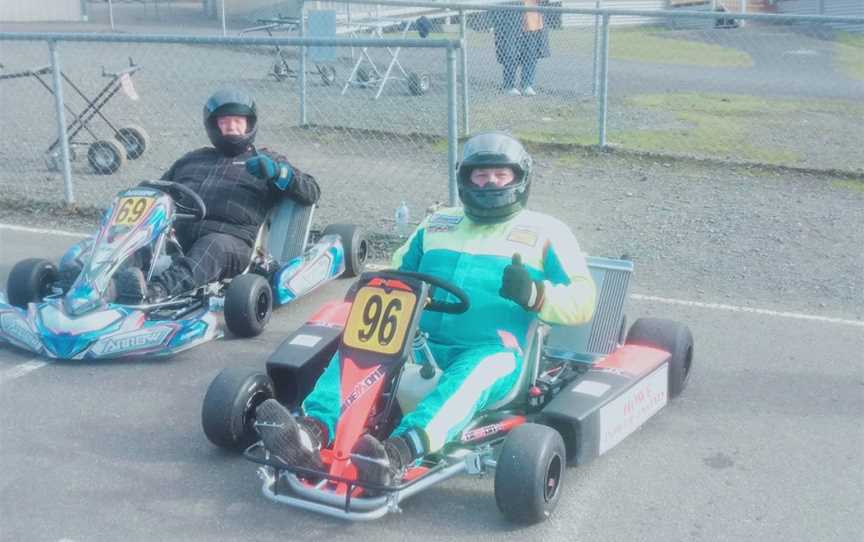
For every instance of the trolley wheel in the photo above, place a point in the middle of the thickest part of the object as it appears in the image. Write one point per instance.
(419, 83)
(134, 139)
(281, 71)
(327, 73)
(106, 157)
(363, 75)
(54, 160)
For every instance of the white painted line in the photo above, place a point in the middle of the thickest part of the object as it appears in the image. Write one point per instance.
(26, 229)
(735, 308)
(21, 370)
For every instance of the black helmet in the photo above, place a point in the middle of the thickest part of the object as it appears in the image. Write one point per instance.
(230, 102)
(490, 150)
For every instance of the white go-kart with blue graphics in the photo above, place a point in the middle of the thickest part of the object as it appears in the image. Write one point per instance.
(75, 318)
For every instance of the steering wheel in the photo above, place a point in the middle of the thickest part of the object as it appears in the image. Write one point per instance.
(450, 307)
(190, 204)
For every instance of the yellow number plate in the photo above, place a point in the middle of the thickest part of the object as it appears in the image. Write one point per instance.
(130, 210)
(379, 319)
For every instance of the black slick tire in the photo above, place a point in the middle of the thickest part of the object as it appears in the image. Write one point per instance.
(672, 337)
(248, 305)
(30, 281)
(529, 473)
(228, 413)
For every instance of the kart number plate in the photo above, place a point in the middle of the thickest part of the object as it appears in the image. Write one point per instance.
(130, 210)
(379, 319)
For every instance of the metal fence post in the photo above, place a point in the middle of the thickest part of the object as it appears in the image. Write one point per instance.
(301, 77)
(111, 14)
(463, 57)
(596, 50)
(602, 99)
(224, 24)
(61, 123)
(452, 137)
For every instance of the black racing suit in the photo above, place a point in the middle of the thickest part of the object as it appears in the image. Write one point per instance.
(220, 246)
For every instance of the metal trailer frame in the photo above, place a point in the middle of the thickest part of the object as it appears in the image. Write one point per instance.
(418, 82)
(105, 156)
(281, 69)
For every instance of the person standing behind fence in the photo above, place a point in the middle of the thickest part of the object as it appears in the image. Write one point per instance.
(521, 39)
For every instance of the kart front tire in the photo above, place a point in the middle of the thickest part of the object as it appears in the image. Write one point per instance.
(354, 244)
(672, 337)
(228, 413)
(30, 281)
(529, 473)
(248, 305)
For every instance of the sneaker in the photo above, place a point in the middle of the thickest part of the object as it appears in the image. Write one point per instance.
(288, 442)
(380, 463)
(131, 285)
(529, 92)
(513, 92)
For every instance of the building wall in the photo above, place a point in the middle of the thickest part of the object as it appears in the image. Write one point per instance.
(43, 10)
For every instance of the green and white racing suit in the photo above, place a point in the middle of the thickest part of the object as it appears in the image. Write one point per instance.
(478, 351)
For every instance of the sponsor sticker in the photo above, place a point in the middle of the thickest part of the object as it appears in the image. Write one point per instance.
(306, 340)
(523, 236)
(17, 329)
(443, 223)
(592, 388)
(632, 408)
(136, 340)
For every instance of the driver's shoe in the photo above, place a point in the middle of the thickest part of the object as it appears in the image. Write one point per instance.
(381, 463)
(132, 287)
(292, 441)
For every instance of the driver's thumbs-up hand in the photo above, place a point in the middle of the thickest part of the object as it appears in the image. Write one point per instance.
(517, 285)
(265, 168)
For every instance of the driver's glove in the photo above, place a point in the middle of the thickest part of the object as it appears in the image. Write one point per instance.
(517, 285)
(264, 167)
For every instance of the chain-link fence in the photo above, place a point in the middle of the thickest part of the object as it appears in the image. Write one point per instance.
(777, 90)
(350, 142)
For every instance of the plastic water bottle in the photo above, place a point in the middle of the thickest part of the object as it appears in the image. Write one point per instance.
(402, 216)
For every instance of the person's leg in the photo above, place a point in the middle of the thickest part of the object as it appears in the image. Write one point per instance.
(529, 68)
(509, 79)
(210, 258)
(475, 379)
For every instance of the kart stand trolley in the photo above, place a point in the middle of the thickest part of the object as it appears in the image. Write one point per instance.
(366, 74)
(281, 69)
(104, 155)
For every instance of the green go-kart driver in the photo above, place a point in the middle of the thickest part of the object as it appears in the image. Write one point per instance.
(516, 265)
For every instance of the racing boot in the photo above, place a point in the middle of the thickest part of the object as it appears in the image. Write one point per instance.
(292, 441)
(132, 287)
(382, 463)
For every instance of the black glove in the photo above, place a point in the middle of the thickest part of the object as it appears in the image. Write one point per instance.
(517, 285)
(264, 167)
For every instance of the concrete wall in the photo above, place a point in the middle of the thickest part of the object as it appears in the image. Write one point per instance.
(43, 10)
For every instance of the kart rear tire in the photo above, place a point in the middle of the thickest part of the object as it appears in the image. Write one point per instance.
(529, 473)
(106, 157)
(248, 305)
(134, 140)
(30, 281)
(228, 413)
(355, 245)
(672, 337)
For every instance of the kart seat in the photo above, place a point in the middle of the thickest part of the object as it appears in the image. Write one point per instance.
(285, 232)
(583, 343)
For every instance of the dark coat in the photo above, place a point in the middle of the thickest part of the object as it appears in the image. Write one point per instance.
(512, 43)
(237, 203)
